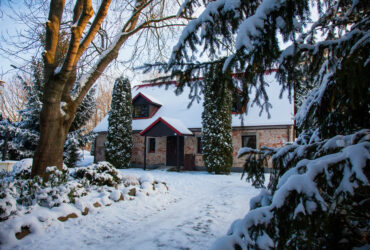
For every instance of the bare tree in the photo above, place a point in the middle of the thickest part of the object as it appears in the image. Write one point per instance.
(93, 44)
(102, 106)
(13, 98)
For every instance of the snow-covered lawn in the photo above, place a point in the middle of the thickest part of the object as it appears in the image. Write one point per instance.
(198, 209)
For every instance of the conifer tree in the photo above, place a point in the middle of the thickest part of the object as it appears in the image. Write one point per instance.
(77, 137)
(119, 137)
(216, 121)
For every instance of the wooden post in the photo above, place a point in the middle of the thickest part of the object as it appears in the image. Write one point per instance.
(178, 153)
(144, 152)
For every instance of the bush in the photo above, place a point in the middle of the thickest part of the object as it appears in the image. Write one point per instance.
(19, 192)
(100, 174)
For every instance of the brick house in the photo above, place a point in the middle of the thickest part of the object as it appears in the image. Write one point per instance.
(164, 125)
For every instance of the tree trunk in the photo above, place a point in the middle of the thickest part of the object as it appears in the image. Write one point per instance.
(53, 133)
(54, 127)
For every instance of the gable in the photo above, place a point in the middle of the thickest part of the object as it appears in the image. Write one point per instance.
(144, 107)
(165, 126)
(140, 100)
(159, 129)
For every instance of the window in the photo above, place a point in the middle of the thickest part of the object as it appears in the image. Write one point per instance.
(249, 141)
(151, 145)
(141, 111)
(199, 145)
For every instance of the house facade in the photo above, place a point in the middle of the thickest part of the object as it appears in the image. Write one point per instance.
(164, 125)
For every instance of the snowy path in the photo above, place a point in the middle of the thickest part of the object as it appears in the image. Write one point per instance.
(198, 209)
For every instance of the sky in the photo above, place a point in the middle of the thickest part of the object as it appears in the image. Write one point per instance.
(10, 27)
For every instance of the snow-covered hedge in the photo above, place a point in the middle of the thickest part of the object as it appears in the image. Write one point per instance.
(322, 201)
(28, 205)
(102, 173)
(19, 193)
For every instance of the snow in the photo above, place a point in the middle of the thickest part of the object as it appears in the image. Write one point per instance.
(177, 124)
(197, 209)
(175, 107)
(86, 159)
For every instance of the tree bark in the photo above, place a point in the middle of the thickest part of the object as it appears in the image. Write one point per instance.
(49, 151)
(54, 127)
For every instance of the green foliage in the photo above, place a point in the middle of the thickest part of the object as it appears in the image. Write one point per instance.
(119, 137)
(216, 122)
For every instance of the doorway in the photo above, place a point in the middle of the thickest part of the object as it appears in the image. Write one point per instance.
(171, 152)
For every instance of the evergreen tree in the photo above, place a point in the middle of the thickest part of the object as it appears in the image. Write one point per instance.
(119, 138)
(29, 127)
(77, 137)
(216, 122)
(8, 147)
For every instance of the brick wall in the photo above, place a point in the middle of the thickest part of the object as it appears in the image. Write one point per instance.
(152, 158)
(271, 137)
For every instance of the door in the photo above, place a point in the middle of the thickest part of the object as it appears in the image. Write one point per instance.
(172, 151)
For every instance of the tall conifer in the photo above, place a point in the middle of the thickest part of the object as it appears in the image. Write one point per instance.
(216, 122)
(119, 138)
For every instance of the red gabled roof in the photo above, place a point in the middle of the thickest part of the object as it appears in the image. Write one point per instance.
(160, 119)
(146, 98)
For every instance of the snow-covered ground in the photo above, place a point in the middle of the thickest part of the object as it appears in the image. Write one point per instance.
(198, 209)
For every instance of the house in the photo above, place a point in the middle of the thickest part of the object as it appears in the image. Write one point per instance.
(164, 125)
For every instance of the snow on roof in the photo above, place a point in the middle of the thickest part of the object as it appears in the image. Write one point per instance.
(149, 98)
(176, 107)
(174, 124)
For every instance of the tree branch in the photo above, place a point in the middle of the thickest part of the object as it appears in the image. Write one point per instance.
(99, 18)
(77, 31)
(110, 54)
(77, 10)
(52, 33)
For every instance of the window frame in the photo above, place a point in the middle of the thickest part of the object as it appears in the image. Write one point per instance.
(138, 111)
(249, 135)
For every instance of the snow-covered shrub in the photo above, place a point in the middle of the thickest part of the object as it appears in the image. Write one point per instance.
(8, 203)
(130, 181)
(19, 192)
(100, 174)
(320, 198)
(22, 169)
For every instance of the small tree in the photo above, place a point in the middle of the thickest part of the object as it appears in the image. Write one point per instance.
(216, 122)
(119, 138)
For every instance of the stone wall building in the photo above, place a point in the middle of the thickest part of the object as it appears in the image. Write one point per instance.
(164, 125)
